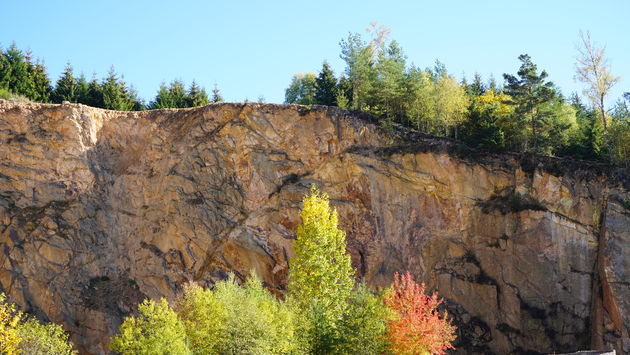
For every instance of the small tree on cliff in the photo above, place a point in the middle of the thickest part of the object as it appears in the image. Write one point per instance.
(320, 275)
(416, 326)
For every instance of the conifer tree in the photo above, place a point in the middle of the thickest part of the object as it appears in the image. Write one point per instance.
(216, 94)
(326, 87)
(116, 95)
(82, 90)
(529, 91)
(67, 87)
(196, 96)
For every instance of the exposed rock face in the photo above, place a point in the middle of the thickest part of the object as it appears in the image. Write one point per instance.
(100, 209)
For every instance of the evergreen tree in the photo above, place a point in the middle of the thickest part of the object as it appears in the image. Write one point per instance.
(477, 87)
(94, 95)
(326, 87)
(216, 94)
(82, 89)
(358, 56)
(41, 88)
(116, 94)
(196, 96)
(389, 87)
(529, 92)
(15, 71)
(67, 87)
(344, 93)
(177, 94)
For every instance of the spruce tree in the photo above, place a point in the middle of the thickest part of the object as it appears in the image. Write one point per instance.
(82, 90)
(94, 95)
(67, 87)
(216, 94)
(116, 94)
(476, 88)
(326, 87)
(196, 96)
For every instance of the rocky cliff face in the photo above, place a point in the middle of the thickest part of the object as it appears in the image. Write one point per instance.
(100, 209)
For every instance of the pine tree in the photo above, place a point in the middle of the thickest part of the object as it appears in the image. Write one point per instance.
(529, 92)
(326, 87)
(67, 87)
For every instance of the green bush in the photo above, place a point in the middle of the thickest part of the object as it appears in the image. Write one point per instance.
(156, 330)
(43, 339)
(257, 323)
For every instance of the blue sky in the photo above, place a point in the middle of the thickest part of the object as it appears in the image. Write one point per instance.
(252, 48)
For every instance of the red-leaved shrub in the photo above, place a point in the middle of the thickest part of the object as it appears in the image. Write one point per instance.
(416, 326)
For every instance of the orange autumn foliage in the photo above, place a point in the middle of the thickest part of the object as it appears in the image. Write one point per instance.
(416, 326)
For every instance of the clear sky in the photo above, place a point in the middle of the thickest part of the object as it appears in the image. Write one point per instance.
(252, 48)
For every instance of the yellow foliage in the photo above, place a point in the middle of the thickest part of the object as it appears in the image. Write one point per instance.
(9, 320)
(497, 102)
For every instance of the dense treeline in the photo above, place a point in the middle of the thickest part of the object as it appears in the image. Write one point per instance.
(23, 78)
(528, 113)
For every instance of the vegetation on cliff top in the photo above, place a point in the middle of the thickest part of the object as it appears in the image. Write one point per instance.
(527, 113)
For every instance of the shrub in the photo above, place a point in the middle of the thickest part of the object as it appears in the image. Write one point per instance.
(43, 339)
(416, 326)
(156, 330)
(257, 323)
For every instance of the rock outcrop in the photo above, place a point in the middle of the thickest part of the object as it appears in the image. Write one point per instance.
(100, 209)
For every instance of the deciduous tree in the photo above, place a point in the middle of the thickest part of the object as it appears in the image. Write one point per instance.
(156, 330)
(592, 68)
(417, 327)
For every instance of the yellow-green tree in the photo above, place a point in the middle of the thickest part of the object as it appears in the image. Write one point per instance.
(450, 103)
(9, 321)
(320, 274)
(204, 318)
(43, 339)
(156, 330)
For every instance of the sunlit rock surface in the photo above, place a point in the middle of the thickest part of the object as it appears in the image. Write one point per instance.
(100, 209)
